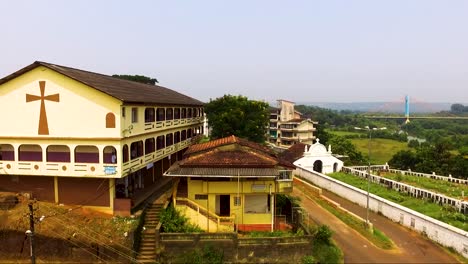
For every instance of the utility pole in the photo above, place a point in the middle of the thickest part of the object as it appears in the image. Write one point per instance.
(30, 232)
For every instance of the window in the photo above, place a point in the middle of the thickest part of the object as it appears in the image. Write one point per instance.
(169, 115)
(134, 114)
(160, 142)
(183, 135)
(169, 140)
(184, 113)
(125, 153)
(110, 120)
(176, 113)
(161, 114)
(256, 204)
(237, 201)
(149, 145)
(201, 196)
(149, 115)
(7, 152)
(136, 149)
(123, 112)
(176, 137)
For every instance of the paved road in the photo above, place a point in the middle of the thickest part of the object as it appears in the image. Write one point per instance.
(411, 247)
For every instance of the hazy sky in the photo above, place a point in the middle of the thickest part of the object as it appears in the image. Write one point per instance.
(340, 51)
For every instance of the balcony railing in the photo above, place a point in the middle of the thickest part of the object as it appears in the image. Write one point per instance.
(77, 169)
(175, 123)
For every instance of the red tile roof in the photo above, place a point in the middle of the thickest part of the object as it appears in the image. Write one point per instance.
(231, 152)
(293, 153)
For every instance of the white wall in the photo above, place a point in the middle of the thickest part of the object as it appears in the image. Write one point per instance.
(436, 230)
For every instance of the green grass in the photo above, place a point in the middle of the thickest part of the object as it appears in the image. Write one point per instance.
(442, 213)
(377, 237)
(327, 253)
(382, 150)
(345, 133)
(439, 186)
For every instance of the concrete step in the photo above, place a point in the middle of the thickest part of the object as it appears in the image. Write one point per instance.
(148, 242)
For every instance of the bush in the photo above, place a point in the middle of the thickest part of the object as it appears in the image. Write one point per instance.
(308, 260)
(173, 222)
(323, 234)
(326, 253)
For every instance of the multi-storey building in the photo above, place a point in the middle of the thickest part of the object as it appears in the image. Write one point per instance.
(77, 137)
(287, 127)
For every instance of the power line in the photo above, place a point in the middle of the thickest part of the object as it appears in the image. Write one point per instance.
(69, 222)
(94, 239)
(77, 245)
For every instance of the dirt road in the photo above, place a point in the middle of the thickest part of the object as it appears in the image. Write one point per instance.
(411, 247)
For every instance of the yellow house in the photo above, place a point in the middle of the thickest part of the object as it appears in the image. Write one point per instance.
(76, 137)
(231, 181)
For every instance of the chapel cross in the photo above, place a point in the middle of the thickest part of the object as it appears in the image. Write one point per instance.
(43, 125)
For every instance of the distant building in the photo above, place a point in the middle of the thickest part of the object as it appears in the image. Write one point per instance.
(81, 138)
(287, 127)
(231, 182)
(317, 158)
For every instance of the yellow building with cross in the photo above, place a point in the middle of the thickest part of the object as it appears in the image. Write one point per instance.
(77, 137)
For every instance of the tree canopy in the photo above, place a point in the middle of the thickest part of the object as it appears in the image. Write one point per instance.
(431, 158)
(239, 116)
(137, 78)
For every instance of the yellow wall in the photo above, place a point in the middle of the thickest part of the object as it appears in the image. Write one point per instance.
(231, 188)
(81, 111)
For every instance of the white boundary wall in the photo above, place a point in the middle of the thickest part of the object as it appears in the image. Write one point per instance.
(436, 230)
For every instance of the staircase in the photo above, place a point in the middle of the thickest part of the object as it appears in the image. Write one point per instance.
(147, 251)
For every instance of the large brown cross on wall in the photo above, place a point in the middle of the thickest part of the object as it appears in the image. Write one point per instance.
(43, 125)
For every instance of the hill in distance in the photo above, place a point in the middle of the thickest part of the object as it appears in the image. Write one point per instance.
(382, 107)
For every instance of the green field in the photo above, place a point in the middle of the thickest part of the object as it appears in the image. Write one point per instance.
(345, 133)
(443, 213)
(382, 150)
(439, 186)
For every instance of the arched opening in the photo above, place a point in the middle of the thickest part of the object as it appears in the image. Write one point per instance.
(169, 114)
(184, 113)
(189, 113)
(183, 135)
(176, 113)
(160, 142)
(136, 149)
(176, 137)
(125, 153)
(86, 154)
(30, 153)
(110, 155)
(58, 153)
(318, 166)
(189, 133)
(169, 139)
(160, 114)
(149, 115)
(149, 145)
(110, 120)
(7, 152)
(335, 167)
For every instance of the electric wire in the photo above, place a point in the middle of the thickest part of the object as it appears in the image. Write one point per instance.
(77, 245)
(91, 238)
(81, 227)
(83, 244)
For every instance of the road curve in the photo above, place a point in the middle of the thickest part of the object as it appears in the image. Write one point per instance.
(411, 246)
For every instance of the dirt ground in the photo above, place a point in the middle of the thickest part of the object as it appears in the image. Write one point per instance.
(64, 233)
